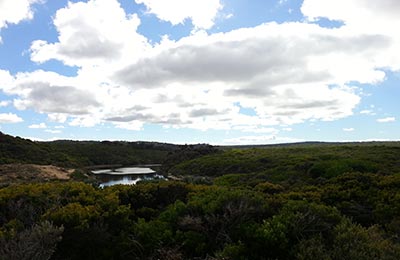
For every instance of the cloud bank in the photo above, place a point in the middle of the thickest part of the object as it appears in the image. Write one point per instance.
(285, 73)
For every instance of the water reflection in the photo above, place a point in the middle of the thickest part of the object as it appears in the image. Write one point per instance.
(125, 176)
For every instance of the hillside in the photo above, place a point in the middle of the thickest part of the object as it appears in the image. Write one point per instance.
(298, 161)
(68, 153)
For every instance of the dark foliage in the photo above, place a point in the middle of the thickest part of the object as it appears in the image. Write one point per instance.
(293, 202)
(92, 153)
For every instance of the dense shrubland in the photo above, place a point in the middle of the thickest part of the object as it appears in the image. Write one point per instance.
(305, 202)
(93, 153)
(294, 162)
(171, 220)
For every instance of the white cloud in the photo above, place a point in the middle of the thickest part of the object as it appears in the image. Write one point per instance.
(261, 69)
(8, 118)
(15, 11)
(348, 129)
(6, 80)
(255, 129)
(201, 12)
(260, 139)
(98, 32)
(49, 92)
(4, 103)
(132, 125)
(287, 73)
(53, 131)
(57, 96)
(368, 17)
(57, 117)
(228, 16)
(85, 121)
(367, 112)
(386, 120)
(38, 126)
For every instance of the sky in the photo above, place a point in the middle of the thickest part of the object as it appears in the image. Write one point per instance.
(200, 71)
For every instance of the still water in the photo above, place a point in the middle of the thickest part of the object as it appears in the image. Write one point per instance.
(126, 175)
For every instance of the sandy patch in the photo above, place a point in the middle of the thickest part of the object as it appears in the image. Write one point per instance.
(31, 172)
(54, 172)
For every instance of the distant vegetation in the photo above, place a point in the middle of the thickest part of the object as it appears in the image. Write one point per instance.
(291, 163)
(305, 202)
(93, 153)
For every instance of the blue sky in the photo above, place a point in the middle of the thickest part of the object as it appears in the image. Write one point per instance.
(200, 71)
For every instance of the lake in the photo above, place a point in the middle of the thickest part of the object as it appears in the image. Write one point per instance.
(125, 175)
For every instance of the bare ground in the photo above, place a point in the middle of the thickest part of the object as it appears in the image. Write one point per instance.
(17, 173)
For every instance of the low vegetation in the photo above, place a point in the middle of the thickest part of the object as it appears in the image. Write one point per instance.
(72, 154)
(297, 202)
